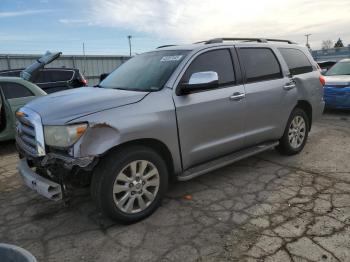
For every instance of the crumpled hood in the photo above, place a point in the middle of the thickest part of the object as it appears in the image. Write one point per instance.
(339, 80)
(67, 105)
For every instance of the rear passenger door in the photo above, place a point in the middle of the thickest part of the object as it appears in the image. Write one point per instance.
(268, 100)
(211, 122)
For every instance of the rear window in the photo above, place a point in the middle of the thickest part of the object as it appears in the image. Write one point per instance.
(14, 90)
(260, 64)
(10, 73)
(45, 76)
(296, 60)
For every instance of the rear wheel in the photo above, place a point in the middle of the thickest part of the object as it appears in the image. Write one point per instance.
(128, 185)
(295, 134)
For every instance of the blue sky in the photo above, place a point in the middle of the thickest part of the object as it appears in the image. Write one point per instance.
(29, 26)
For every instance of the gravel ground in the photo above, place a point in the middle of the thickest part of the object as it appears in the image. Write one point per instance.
(265, 208)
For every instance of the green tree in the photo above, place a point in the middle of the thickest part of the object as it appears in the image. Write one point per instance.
(339, 43)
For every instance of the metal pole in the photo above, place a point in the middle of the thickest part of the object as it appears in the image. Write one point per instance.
(129, 38)
(84, 58)
(307, 40)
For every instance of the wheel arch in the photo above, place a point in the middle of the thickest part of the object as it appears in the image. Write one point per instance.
(151, 143)
(306, 106)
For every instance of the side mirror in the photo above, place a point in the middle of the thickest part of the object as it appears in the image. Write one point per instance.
(200, 81)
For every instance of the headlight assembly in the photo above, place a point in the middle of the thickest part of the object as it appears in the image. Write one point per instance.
(63, 136)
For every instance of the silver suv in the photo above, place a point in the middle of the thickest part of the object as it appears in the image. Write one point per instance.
(178, 111)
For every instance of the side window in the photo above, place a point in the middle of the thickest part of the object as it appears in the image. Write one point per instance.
(61, 75)
(260, 64)
(14, 90)
(218, 61)
(296, 60)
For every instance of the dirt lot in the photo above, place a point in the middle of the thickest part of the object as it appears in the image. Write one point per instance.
(265, 208)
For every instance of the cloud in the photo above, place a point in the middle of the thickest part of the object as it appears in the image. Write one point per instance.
(22, 13)
(191, 20)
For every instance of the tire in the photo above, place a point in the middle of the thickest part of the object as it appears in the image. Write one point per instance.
(132, 173)
(288, 146)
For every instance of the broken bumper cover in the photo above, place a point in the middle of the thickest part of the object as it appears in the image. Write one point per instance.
(43, 186)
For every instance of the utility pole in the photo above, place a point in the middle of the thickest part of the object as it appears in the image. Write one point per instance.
(129, 38)
(84, 57)
(307, 41)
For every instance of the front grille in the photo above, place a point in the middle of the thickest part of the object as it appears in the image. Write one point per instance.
(29, 133)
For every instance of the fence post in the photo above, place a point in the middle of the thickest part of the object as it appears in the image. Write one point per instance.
(8, 62)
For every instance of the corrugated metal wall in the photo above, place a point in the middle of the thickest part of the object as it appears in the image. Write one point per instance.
(92, 66)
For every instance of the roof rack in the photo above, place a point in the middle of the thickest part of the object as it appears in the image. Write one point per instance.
(162, 46)
(245, 39)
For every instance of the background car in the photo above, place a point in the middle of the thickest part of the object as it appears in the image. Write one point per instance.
(15, 92)
(49, 79)
(326, 65)
(337, 87)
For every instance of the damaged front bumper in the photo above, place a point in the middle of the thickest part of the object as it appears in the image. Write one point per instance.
(43, 186)
(59, 171)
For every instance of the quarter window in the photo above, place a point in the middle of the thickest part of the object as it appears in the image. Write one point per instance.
(260, 64)
(218, 61)
(14, 90)
(296, 60)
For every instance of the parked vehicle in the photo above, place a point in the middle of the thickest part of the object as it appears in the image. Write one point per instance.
(337, 87)
(326, 65)
(49, 79)
(14, 93)
(178, 111)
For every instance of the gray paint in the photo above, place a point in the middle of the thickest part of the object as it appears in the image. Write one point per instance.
(195, 127)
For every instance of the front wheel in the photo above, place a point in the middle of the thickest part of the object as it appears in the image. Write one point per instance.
(295, 134)
(128, 185)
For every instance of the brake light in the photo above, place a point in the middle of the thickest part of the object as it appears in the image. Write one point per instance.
(84, 81)
(322, 80)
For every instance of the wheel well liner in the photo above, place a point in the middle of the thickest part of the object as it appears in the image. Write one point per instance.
(306, 106)
(154, 144)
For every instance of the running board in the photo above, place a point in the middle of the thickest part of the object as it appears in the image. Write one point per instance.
(224, 161)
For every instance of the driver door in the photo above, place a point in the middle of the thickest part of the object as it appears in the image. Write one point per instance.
(211, 122)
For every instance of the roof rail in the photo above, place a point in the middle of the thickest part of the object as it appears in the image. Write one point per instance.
(245, 39)
(162, 46)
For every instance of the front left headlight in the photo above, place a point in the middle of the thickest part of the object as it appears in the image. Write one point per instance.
(63, 136)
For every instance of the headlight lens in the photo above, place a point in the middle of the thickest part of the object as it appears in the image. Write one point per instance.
(63, 136)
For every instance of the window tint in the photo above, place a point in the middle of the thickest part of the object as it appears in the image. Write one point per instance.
(296, 60)
(260, 64)
(10, 73)
(218, 61)
(14, 90)
(45, 76)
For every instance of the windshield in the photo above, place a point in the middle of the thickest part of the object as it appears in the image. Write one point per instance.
(340, 68)
(145, 72)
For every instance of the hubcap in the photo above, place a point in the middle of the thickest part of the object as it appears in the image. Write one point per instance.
(136, 186)
(296, 132)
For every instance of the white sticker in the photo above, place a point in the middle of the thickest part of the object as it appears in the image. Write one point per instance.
(171, 58)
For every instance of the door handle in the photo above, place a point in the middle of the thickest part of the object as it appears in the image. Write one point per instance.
(289, 86)
(237, 96)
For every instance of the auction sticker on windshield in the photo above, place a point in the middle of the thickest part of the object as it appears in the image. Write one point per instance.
(171, 58)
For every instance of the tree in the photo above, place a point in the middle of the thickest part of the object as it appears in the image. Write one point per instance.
(327, 44)
(339, 43)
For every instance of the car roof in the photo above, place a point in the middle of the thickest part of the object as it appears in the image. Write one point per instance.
(203, 45)
(344, 60)
(11, 79)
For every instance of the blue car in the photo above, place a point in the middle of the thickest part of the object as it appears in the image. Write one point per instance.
(337, 86)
